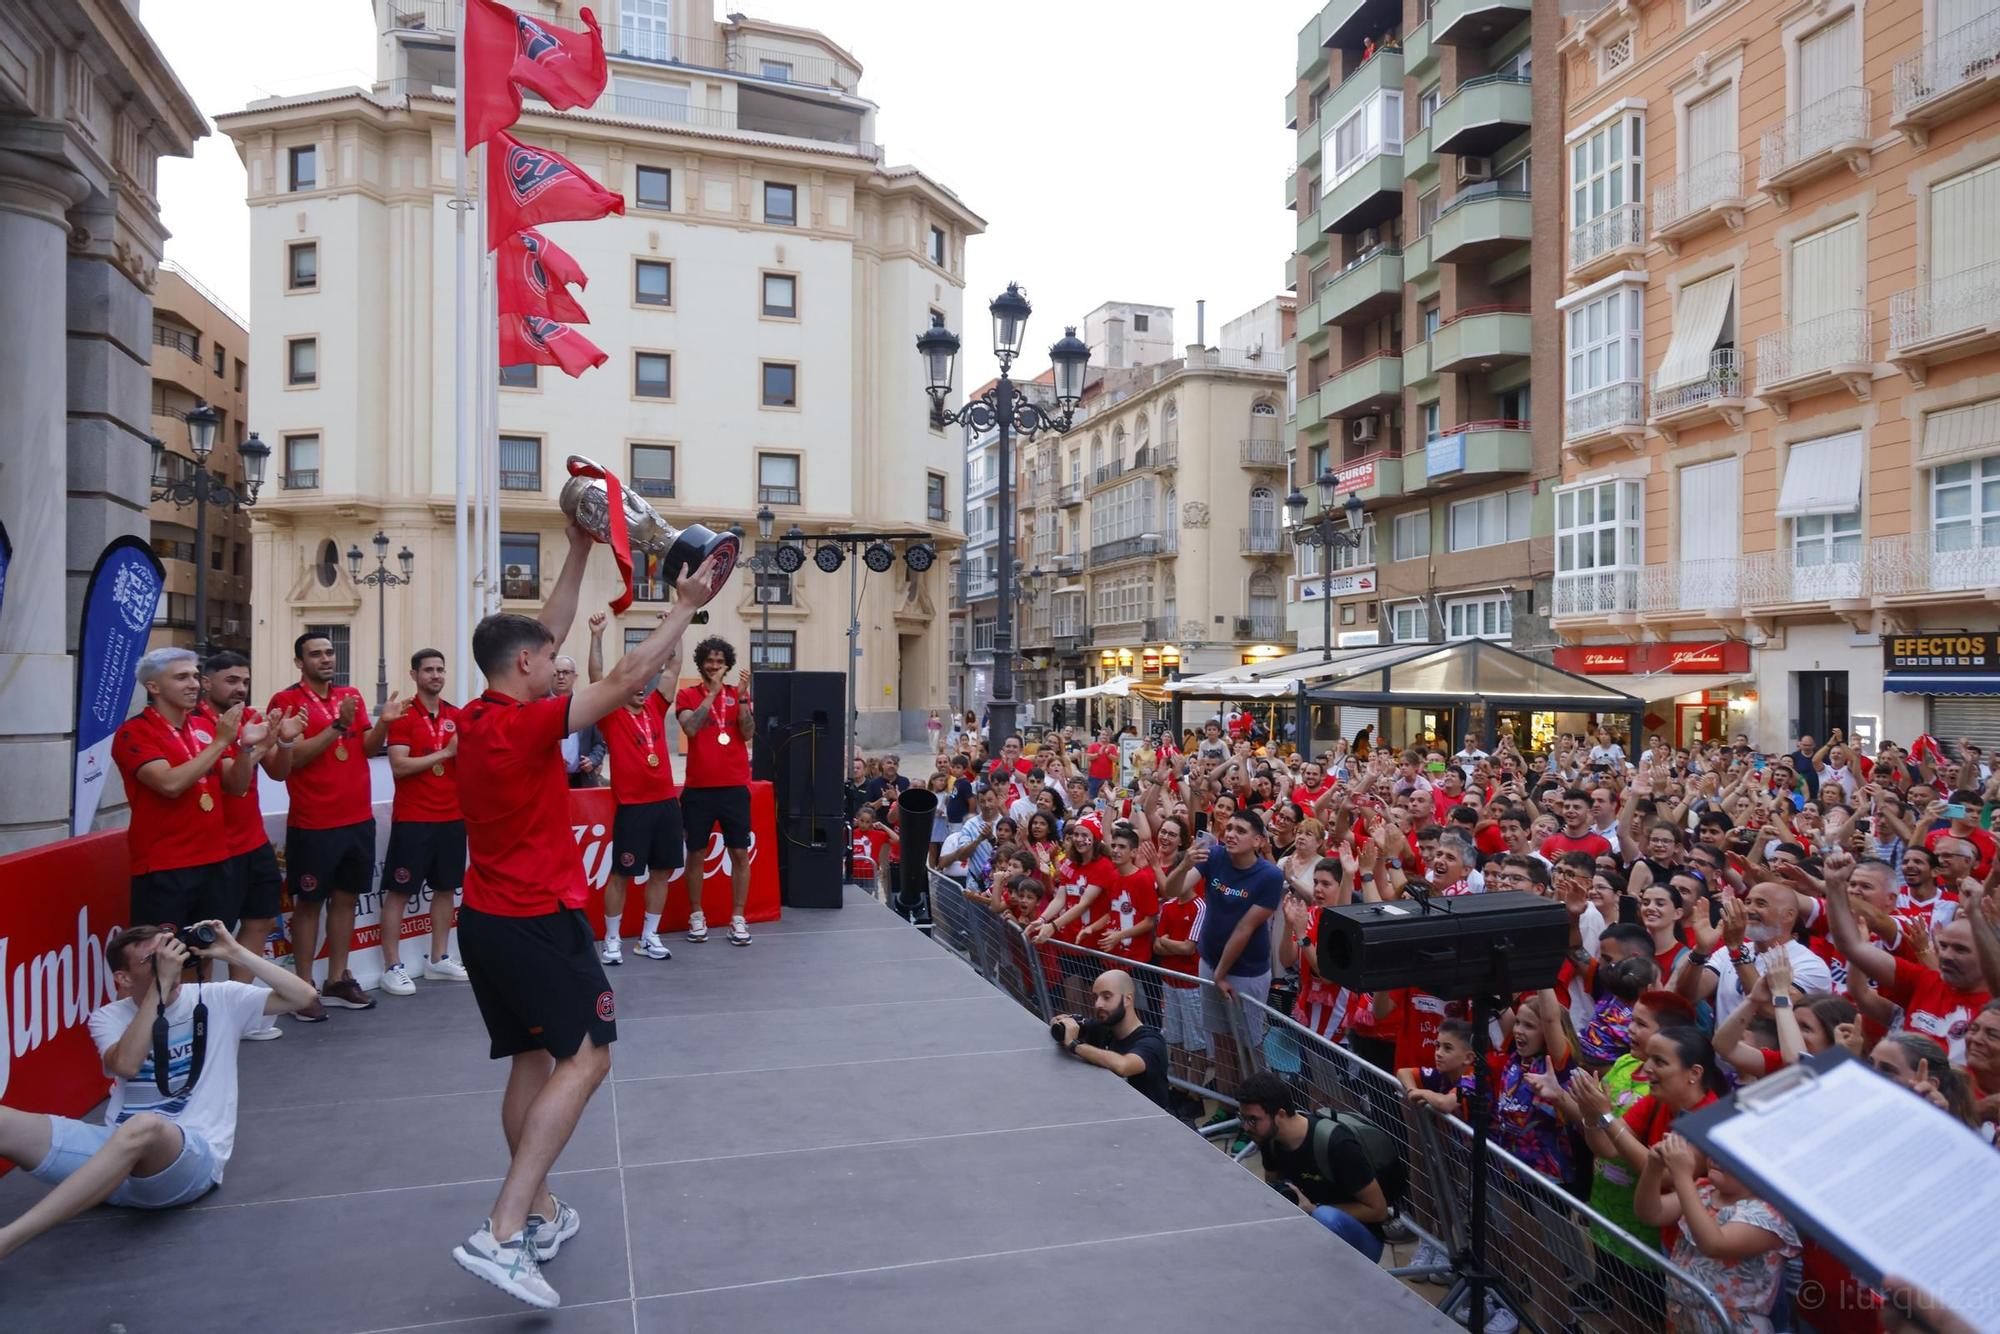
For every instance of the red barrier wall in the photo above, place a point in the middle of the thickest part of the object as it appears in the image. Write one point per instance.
(591, 811)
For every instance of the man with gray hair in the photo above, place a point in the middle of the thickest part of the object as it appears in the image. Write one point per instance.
(583, 750)
(170, 754)
(1454, 865)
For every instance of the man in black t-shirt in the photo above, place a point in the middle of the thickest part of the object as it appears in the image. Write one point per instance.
(1317, 1163)
(1115, 1040)
(890, 785)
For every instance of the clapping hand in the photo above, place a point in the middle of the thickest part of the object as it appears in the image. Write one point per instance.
(253, 734)
(291, 725)
(1591, 1099)
(1677, 1155)
(230, 723)
(743, 679)
(349, 706)
(393, 708)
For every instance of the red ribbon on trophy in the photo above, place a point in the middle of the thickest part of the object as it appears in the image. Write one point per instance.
(616, 537)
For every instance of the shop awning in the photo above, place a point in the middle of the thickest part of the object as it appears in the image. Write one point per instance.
(1822, 477)
(1118, 687)
(1651, 686)
(1939, 683)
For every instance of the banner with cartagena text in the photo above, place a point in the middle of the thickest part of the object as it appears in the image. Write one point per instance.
(119, 604)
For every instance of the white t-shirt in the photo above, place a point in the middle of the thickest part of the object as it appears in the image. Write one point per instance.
(209, 1108)
(1809, 974)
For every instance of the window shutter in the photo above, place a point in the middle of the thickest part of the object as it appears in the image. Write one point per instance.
(1711, 128)
(1828, 62)
(1964, 234)
(1826, 272)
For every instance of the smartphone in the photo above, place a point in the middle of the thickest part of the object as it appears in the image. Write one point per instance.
(1757, 763)
(1435, 766)
(1955, 811)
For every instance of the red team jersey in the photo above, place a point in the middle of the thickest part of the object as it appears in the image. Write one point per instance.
(242, 817)
(1180, 921)
(1935, 1008)
(426, 797)
(168, 833)
(1327, 1008)
(330, 792)
(515, 794)
(868, 845)
(633, 740)
(719, 754)
(1127, 900)
(1069, 890)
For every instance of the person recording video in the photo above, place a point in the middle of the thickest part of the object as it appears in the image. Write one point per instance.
(1114, 1039)
(170, 1051)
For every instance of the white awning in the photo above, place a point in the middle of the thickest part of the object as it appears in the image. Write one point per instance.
(1282, 689)
(1698, 318)
(1656, 686)
(1822, 477)
(1968, 429)
(1118, 687)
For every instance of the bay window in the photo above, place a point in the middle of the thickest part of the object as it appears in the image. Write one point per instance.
(1599, 547)
(1373, 128)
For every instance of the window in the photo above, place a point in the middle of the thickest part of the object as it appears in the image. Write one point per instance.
(781, 204)
(1428, 102)
(1127, 511)
(220, 363)
(1606, 169)
(1826, 539)
(935, 498)
(1427, 211)
(781, 384)
(520, 565)
(327, 568)
(937, 246)
(1432, 412)
(1605, 341)
(649, 581)
(652, 375)
(1433, 317)
(653, 470)
(525, 376)
(778, 479)
(1598, 531)
(305, 168)
(1142, 323)
(1488, 521)
(1963, 243)
(1355, 558)
(301, 462)
(1487, 617)
(335, 635)
(1702, 323)
(1826, 280)
(1965, 505)
(520, 463)
(1516, 405)
(218, 553)
(774, 650)
(781, 295)
(635, 636)
(1370, 130)
(1408, 624)
(653, 282)
(1410, 536)
(655, 188)
(302, 361)
(773, 585)
(302, 266)
(775, 69)
(648, 99)
(241, 370)
(1514, 176)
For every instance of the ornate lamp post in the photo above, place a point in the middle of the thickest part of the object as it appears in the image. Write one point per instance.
(202, 490)
(1328, 529)
(381, 579)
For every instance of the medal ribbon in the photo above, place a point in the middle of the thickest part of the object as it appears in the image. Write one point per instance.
(312, 702)
(188, 752)
(643, 722)
(616, 537)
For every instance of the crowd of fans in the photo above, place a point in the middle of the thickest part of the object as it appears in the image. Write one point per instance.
(1731, 912)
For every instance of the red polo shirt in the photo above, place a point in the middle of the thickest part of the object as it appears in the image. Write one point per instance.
(515, 795)
(168, 833)
(711, 760)
(328, 792)
(242, 817)
(426, 797)
(631, 739)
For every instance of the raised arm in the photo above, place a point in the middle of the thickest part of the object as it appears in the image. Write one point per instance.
(596, 662)
(559, 613)
(652, 655)
(1977, 909)
(1871, 959)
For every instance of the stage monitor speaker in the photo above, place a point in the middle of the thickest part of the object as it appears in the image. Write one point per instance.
(1467, 945)
(812, 860)
(801, 728)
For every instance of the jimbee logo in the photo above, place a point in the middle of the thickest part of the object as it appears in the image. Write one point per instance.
(531, 171)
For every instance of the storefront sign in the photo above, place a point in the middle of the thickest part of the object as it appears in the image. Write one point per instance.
(1707, 659)
(1703, 657)
(1346, 584)
(1446, 454)
(1956, 651)
(1616, 658)
(1354, 477)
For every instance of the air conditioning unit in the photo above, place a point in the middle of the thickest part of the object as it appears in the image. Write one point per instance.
(517, 572)
(1365, 428)
(1474, 169)
(1243, 627)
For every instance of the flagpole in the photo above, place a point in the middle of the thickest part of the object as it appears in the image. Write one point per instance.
(484, 574)
(488, 382)
(461, 426)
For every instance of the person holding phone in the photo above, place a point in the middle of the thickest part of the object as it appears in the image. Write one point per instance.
(1962, 810)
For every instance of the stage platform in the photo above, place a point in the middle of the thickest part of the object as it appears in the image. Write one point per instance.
(839, 1128)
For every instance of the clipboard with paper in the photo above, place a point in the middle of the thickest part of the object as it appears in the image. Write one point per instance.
(1882, 1178)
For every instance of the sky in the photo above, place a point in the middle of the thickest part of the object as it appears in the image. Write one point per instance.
(1118, 150)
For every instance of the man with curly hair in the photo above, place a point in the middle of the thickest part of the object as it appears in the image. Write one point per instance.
(716, 717)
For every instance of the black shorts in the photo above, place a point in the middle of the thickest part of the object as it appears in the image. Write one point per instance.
(319, 862)
(181, 896)
(254, 886)
(425, 852)
(538, 981)
(646, 836)
(703, 808)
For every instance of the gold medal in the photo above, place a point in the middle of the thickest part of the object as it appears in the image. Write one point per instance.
(438, 769)
(340, 751)
(653, 761)
(722, 740)
(207, 802)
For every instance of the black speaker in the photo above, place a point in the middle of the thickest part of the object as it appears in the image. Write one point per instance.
(1467, 945)
(801, 726)
(916, 814)
(812, 860)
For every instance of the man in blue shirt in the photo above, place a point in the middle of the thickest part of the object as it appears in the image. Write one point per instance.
(1242, 889)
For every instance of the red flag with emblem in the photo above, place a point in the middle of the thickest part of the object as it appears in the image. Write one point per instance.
(526, 185)
(504, 48)
(534, 276)
(532, 340)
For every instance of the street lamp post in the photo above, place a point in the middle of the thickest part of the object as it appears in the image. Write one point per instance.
(381, 579)
(1328, 529)
(202, 490)
(1003, 408)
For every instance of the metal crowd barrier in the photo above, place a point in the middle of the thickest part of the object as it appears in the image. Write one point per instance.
(1570, 1266)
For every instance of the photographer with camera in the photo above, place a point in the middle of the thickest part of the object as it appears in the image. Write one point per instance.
(1317, 1162)
(170, 1051)
(1114, 1039)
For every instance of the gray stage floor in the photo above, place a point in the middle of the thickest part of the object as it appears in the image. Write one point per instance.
(839, 1128)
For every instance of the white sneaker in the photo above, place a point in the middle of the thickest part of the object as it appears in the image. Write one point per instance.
(611, 953)
(654, 948)
(446, 969)
(739, 931)
(698, 927)
(397, 982)
(508, 1265)
(1429, 1255)
(264, 1034)
(1499, 1320)
(548, 1234)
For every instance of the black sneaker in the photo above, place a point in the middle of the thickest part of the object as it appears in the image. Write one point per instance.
(347, 994)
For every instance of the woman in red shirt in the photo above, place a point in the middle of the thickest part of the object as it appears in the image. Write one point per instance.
(1684, 1075)
(1083, 878)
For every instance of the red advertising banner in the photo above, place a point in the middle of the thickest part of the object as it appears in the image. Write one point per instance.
(591, 810)
(1695, 657)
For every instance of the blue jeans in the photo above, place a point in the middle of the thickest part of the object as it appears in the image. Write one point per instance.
(1350, 1230)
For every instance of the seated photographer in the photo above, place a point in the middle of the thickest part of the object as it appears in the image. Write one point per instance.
(166, 1135)
(1315, 1162)
(1114, 1039)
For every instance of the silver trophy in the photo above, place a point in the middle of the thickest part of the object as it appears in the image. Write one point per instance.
(680, 550)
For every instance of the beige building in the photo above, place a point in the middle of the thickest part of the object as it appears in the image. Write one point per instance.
(200, 355)
(759, 302)
(1782, 395)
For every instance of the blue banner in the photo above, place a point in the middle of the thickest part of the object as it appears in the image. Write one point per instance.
(118, 610)
(1444, 455)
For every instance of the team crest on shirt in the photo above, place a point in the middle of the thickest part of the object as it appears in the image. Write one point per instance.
(626, 859)
(451, 724)
(607, 1007)
(308, 883)
(402, 875)
(206, 738)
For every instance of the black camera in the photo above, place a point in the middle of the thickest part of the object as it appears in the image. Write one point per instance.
(1056, 1026)
(1288, 1188)
(196, 937)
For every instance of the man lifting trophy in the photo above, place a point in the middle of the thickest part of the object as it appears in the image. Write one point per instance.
(595, 501)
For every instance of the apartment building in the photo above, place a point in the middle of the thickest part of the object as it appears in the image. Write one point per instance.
(1780, 504)
(758, 302)
(1427, 151)
(200, 355)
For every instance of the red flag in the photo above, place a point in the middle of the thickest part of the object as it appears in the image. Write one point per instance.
(532, 340)
(503, 48)
(534, 277)
(617, 538)
(526, 185)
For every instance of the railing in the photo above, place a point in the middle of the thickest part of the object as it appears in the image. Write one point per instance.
(778, 495)
(662, 487)
(1605, 409)
(1262, 627)
(1724, 380)
(1596, 593)
(513, 479)
(939, 514)
(187, 344)
(1957, 58)
(302, 479)
(1233, 359)
(1067, 562)
(442, 15)
(1124, 549)
(1621, 226)
(1069, 493)
(1260, 541)
(1473, 312)
(1700, 186)
(1839, 117)
(207, 294)
(640, 42)
(162, 407)
(1258, 453)
(1961, 556)
(1692, 585)
(1776, 578)
(1477, 194)
(1963, 303)
(984, 586)
(1845, 337)
(1110, 472)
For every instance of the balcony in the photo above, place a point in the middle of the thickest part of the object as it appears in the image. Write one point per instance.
(657, 488)
(1420, 55)
(1811, 358)
(1698, 199)
(1364, 386)
(1418, 156)
(1372, 477)
(1475, 22)
(1067, 562)
(1292, 109)
(1417, 366)
(1716, 396)
(1483, 338)
(1815, 141)
(1259, 454)
(1795, 577)
(1366, 289)
(1947, 77)
(1481, 225)
(1710, 588)
(302, 479)
(1260, 541)
(1607, 240)
(1309, 143)
(1596, 594)
(1383, 70)
(1474, 452)
(981, 586)
(1944, 319)
(1372, 193)
(1599, 418)
(1125, 548)
(181, 341)
(1308, 415)
(1963, 558)
(1069, 642)
(1348, 22)
(1258, 629)
(1068, 494)
(1110, 472)
(1482, 114)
